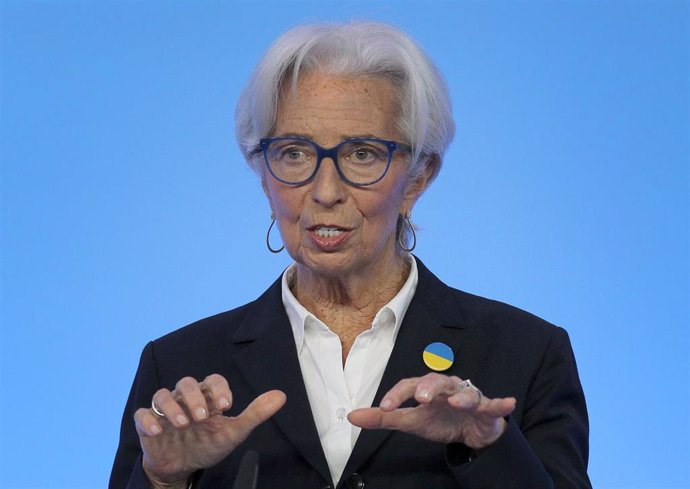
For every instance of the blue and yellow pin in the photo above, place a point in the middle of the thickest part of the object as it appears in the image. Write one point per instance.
(438, 356)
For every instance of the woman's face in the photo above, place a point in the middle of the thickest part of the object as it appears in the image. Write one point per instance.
(327, 225)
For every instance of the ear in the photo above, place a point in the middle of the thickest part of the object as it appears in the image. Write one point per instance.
(418, 185)
(267, 192)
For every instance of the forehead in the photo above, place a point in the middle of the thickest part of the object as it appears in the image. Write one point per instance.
(329, 108)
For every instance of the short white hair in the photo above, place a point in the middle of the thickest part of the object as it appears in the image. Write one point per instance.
(354, 49)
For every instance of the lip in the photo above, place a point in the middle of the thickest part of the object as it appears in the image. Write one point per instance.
(324, 225)
(328, 243)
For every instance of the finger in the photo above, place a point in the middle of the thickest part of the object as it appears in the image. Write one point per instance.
(173, 412)
(497, 408)
(376, 418)
(401, 392)
(434, 385)
(147, 423)
(367, 418)
(422, 389)
(260, 409)
(188, 391)
(467, 399)
(217, 391)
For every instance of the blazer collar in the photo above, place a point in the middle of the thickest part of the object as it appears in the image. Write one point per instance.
(436, 298)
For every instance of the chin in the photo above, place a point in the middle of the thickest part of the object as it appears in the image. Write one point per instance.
(333, 263)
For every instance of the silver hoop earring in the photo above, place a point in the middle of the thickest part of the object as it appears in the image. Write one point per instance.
(268, 237)
(407, 222)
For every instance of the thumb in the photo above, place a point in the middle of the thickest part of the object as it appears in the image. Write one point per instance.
(368, 418)
(260, 409)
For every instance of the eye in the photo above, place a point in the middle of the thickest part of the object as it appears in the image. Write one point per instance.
(294, 154)
(361, 153)
(291, 153)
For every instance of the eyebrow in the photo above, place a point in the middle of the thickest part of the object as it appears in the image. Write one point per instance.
(342, 138)
(291, 135)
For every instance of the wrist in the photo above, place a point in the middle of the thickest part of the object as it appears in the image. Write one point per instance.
(184, 482)
(478, 444)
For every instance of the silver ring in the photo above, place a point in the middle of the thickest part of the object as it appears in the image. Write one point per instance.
(467, 384)
(156, 410)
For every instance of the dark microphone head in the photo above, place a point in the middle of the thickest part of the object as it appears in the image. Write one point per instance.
(248, 471)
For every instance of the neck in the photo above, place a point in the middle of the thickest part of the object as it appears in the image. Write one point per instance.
(348, 304)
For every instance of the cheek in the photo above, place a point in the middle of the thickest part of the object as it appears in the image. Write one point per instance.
(384, 212)
(285, 202)
(396, 195)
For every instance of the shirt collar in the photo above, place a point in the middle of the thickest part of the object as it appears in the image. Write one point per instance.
(298, 314)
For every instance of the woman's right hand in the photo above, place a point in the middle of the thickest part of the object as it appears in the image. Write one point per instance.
(193, 434)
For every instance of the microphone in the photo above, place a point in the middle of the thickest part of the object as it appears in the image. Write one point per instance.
(248, 471)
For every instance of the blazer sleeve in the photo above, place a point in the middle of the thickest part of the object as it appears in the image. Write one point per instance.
(547, 448)
(127, 470)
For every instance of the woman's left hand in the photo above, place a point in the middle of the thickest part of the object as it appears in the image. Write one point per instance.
(450, 410)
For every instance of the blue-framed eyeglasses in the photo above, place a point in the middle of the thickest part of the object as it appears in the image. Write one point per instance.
(359, 162)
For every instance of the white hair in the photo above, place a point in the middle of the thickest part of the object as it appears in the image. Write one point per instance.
(355, 49)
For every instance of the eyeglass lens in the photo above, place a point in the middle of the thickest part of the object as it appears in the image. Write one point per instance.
(360, 161)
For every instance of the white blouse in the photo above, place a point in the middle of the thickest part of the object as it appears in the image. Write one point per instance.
(334, 391)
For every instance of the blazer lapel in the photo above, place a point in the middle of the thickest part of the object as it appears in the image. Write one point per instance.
(269, 361)
(427, 320)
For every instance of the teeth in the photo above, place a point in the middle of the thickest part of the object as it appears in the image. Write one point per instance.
(324, 232)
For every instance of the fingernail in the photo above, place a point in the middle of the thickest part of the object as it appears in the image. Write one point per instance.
(181, 419)
(424, 394)
(154, 430)
(200, 413)
(386, 404)
(223, 402)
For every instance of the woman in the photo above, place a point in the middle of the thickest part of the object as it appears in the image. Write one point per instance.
(326, 374)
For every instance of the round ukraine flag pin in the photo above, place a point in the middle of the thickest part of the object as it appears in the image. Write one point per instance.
(438, 356)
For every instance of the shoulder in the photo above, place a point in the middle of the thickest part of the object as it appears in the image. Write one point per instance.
(206, 329)
(482, 316)
(505, 349)
(517, 339)
(480, 312)
(208, 335)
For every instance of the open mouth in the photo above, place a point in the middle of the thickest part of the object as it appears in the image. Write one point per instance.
(328, 231)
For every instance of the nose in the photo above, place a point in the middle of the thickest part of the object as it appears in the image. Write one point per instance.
(328, 188)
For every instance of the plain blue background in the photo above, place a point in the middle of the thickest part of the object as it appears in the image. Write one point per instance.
(127, 210)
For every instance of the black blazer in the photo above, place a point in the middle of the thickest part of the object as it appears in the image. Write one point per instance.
(505, 351)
